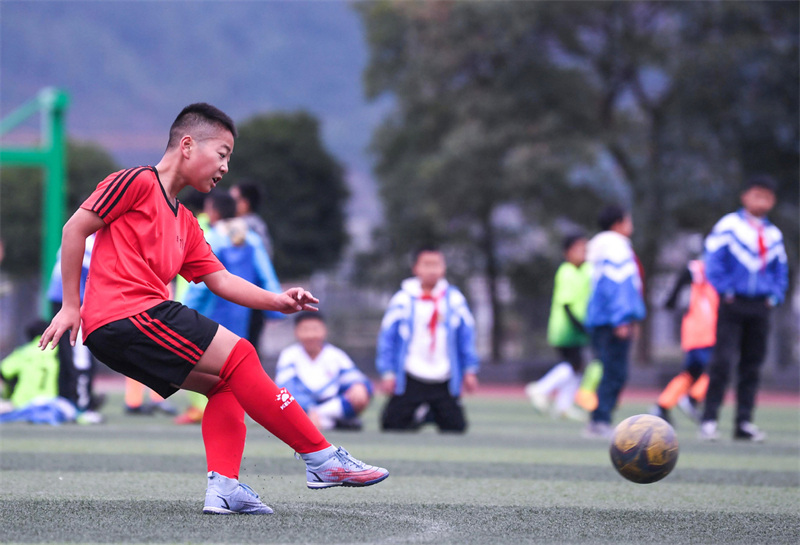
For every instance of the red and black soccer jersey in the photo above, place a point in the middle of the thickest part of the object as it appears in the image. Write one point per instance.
(146, 243)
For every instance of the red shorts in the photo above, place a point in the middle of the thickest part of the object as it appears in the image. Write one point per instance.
(158, 347)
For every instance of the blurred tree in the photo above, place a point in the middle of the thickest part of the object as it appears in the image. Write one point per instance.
(697, 96)
(21, 205)
(303, 187)
(472, 157)
(546, 108)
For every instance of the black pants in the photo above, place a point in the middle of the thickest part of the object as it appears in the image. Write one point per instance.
(572, 355)
(256, 327)
(743, 327)
(445, 409)
(74, 383)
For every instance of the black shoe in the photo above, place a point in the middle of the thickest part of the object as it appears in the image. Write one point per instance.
(661, 412)
(141, 410)
(98, 400)
(746, 431)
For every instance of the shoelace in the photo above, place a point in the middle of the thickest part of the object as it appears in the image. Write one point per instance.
(249, 490)
(348, 460)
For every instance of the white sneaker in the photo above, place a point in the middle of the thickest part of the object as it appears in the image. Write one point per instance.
(708, 431)
(538, 399)
(687, 405)
(572, 413)
(598, 430)
(341, 469)
(226, 496)
(747, 431)
(89, 418)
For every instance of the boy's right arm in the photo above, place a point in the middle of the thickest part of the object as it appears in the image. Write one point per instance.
(73, 243)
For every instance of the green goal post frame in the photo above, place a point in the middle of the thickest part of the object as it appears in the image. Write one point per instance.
(51, 156)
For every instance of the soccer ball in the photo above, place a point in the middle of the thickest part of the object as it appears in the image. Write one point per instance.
(644, 448)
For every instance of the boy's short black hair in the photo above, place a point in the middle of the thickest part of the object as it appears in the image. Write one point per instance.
(571, 239)
(422, 249)
(610, 215)
(761, 180)
(223, 203)
(196, 115)
(303, 316)
(251, 193)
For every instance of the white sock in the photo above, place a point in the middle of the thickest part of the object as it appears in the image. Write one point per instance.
(315, 459)
(554, 378)
(566, 394)
(221, 482)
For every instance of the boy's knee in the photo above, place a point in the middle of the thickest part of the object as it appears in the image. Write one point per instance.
(358, 397)
(453, 427)
(392, 422)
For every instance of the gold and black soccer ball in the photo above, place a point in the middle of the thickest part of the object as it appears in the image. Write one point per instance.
(644, 448)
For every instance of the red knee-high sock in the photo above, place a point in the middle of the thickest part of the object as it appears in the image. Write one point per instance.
(272, 407)
(224, 431)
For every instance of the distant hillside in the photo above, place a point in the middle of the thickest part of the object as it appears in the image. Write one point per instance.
(131, 66)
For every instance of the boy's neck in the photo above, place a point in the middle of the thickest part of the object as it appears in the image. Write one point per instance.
(170, 179)
(749, 214)
(428, 288)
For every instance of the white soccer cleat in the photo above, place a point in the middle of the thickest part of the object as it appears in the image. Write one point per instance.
(341, 469)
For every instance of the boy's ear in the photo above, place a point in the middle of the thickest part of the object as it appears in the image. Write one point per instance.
(186, 145)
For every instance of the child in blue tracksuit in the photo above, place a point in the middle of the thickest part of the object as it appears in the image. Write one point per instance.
(615, 305)
(426, 349)
(243, 254)
(747, 265)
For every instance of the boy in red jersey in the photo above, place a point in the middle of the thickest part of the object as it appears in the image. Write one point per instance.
(145, 238)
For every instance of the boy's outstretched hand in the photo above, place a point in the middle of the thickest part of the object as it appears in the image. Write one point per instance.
(296, 300)
(67, 319)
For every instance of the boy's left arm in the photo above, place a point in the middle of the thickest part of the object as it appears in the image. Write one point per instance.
(467, 354)
(780, 281)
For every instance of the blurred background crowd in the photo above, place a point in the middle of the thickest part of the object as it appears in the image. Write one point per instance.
(491, 129)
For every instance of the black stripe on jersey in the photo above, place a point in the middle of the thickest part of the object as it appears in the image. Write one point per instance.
(110, 186)
(119, 188)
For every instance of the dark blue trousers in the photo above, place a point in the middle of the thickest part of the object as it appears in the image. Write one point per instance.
(742, 329)
(613, 353)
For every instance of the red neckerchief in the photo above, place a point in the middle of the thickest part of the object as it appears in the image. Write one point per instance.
(434, 317)
(758, 225)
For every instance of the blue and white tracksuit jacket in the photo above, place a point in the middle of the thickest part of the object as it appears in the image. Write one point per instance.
(55, 291)
(616, 283)
(242, 253)
(397, 329)
(734, 265)
(313, 382)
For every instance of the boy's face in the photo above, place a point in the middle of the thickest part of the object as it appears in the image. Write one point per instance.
(311, 333)
(208, 159)
(242, 206)
(210, 211)
(429, 268)
(576, 253)
(624, 226)
(758, 201)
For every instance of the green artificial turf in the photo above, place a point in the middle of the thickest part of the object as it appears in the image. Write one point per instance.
(515, 477)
